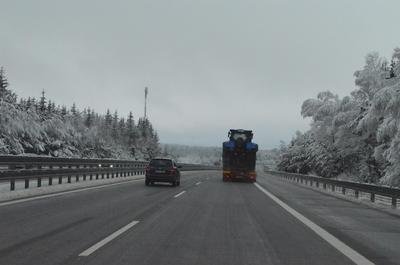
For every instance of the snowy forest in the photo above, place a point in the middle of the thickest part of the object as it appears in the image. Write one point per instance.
(356, 137)
(41, 127)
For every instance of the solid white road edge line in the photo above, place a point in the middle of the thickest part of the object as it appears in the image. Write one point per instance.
(65, 192)
(101, 243)
(179, 194)
(356, 257)
(198, 183)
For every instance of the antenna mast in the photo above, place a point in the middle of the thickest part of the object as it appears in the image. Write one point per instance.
(146, 91)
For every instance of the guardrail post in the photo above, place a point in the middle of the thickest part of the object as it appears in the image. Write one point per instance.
(84, 177)
(108, 175)
(372, 197)
(77, 178)
(12, 184)
(69, 179)
(97, 175)
(91, 176)
(26, 183)
(60, 180)
(50, 181)
(394, 202)
(39, 182)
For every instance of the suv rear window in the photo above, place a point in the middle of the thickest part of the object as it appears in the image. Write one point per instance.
(161, 163)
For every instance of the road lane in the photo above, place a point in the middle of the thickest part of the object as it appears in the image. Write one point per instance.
(55, 230)
(353, 255)
(219, 223)
(371, 232)
(211, 223)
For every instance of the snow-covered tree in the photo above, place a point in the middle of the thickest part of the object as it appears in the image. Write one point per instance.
(39, 127)
(357, 136)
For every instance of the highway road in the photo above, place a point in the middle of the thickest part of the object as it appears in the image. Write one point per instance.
(204, 221)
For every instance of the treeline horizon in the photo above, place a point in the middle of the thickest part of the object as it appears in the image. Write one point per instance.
(41, 127)
(356, 137)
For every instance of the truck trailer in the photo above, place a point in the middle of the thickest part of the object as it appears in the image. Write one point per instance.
(239, 156)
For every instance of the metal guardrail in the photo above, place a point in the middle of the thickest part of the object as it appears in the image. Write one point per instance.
(13, 168)
(333, 184)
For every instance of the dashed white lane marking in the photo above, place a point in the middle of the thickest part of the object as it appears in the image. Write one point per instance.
(179, 194)
(198, 183)
(101, 243)
(66, 192)
(356, 257)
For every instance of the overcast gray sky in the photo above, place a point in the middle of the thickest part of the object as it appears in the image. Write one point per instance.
(210, 65)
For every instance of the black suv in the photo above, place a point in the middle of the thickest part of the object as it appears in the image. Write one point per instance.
(163, 170)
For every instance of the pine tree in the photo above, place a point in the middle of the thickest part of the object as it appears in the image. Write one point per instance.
(28, 103)
(122, 130)
(50, 109)
(74, 110)
(42, 103)
(108, 119)
(64, 111)
(115, 125)
(5, 93)
(89, 118)
(131, 130)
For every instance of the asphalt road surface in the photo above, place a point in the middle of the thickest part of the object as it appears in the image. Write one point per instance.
(204, 221)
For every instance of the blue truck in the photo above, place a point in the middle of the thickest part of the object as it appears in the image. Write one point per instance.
(239, 156)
